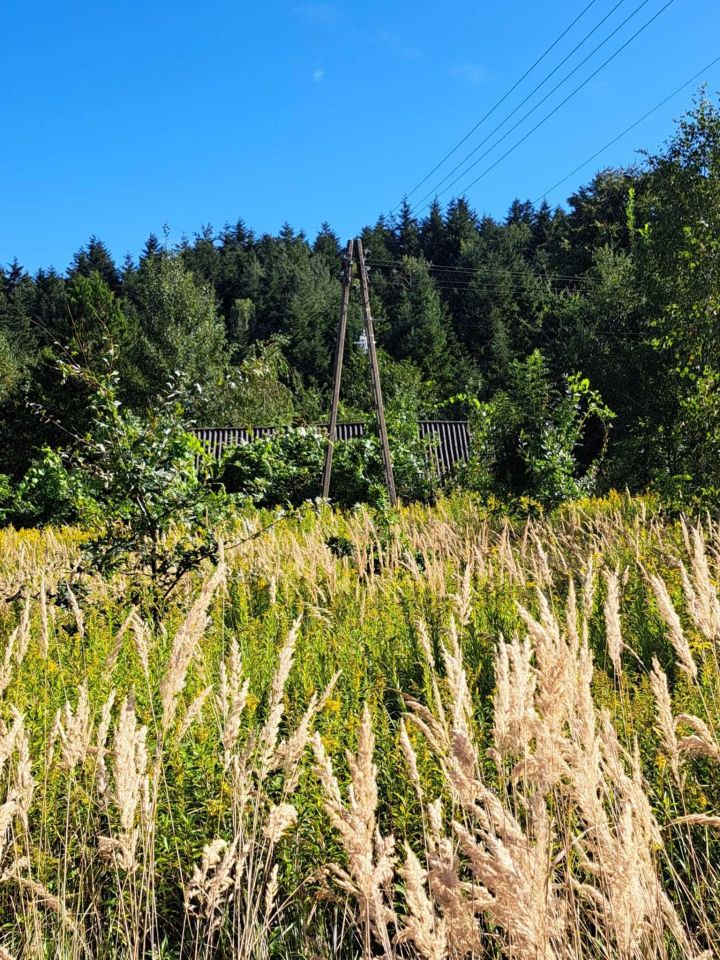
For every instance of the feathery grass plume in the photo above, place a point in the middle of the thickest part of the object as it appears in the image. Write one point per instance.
(289, 751)
(511, 868)
(459, 902)
(44, 898)
(271, 729)
(368, 873)
(130, 786)
(281, 817)
(588, 587)
(697, 820)
(23, 632)
(44, 627)
(73, 730)
(211, 883)
(430, 671)
(506, 555)
(463, 598)
(515, 869)
(231, 698)
(21, 785)
(514, 717)
(704, 606)
(142, 642)
(185, 646)
(119, 637)
(461, 701)
(6, 666)
(420, 925)
(194, 711)
(5, 954)
(702, 743)
(672, 622)
(101, 735)
(619, 852)
(540, 563)
(613, 629)
(664, 717)
(77, 612)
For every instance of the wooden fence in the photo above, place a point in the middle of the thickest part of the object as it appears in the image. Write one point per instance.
(452, 439)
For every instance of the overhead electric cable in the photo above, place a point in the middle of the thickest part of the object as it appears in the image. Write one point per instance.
(632, 126)
(532, 109)
(538, 86)
(501, 100)
(552, 112)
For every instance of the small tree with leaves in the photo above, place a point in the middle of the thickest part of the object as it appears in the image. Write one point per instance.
(144, 489)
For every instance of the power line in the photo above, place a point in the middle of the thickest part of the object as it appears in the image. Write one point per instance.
(472, 270)
(551, 92)
(558, 107)
(535, 89)
(500, 101)
(631, 127)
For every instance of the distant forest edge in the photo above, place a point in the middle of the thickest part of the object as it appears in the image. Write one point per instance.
(581, 342)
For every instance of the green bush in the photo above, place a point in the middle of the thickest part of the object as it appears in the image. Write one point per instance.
(536, 439)
(287, 468)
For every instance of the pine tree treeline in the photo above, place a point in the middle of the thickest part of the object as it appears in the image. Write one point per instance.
(622, 285)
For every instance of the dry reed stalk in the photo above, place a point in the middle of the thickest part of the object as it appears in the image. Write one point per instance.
(185, 646)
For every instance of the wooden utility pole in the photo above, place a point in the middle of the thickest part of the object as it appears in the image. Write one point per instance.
(375, 374)
(337, 367)
(355, 249)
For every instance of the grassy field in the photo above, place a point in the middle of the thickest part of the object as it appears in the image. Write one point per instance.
(435, 734)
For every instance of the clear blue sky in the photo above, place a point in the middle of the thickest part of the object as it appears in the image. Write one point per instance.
(118, 118)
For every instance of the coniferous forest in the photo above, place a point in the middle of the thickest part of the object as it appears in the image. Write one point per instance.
(579, 340)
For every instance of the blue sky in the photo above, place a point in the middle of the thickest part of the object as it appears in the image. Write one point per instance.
(120, 118)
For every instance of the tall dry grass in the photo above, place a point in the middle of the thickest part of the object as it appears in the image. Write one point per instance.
(458, 737)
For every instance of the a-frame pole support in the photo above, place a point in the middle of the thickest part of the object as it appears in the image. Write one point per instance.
(375, 373)
(337, 367)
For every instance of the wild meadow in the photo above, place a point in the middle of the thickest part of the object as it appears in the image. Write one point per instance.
(426, 734)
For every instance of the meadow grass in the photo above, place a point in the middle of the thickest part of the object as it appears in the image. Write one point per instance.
(433, 734)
